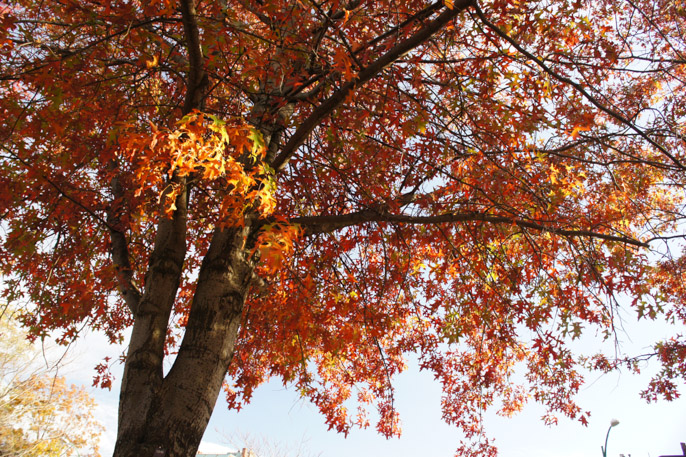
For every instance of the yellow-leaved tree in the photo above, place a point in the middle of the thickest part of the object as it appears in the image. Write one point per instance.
(40, 413)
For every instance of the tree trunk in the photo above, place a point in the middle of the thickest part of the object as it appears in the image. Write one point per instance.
(167, 416)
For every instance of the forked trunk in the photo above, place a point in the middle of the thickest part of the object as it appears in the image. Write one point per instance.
(167, 415)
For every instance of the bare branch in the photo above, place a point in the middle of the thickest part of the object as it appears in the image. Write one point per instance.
(325, 224)
(119, 251)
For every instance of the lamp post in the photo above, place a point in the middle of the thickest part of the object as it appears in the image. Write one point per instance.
(613, 422)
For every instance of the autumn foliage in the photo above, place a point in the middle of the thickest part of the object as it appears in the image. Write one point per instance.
(40, 414)
(311, 190)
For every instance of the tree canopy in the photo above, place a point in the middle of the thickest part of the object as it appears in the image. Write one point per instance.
(312, 189)
(40, 414)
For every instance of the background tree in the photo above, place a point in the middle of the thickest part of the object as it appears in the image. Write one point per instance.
(265, 446)
(40, 415)
(311, 189)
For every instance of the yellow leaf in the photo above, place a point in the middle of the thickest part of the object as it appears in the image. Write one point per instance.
(152, 63)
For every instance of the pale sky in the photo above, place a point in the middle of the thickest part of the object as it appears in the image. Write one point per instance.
(278, 415)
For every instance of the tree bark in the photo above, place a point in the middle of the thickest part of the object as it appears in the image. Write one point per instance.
(171, 415)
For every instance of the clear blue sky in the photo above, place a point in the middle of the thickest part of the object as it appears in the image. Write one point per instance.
(279, 415)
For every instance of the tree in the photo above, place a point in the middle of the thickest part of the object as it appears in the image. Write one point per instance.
(264, 446)
(40, 415)
(311, 189)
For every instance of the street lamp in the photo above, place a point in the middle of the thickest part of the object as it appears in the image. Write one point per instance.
(613, 422)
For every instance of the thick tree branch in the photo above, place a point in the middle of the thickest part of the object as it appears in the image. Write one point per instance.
(143, 371)
(166, 261)
(197, 77)
(143, 375)
(119, 251)
(325, 224)
(369, 72)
